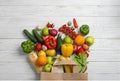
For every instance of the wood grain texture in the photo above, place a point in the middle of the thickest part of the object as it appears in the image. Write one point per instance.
(43, 11)
(25, 67)
(14, 44)
(103, 17)
(58, 2)
(110, 25)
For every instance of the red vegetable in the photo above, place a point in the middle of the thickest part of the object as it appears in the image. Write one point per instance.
(75, 48)
(68, 31)
(49, 25)
(38, 47)
(81, 50)
(50, 42)
(53, 32)
(43, 37)
(75, 23)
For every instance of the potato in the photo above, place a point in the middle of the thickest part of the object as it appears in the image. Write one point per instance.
(85, 46)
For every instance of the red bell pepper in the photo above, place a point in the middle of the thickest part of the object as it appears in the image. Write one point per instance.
(81, 50)
(50, 42)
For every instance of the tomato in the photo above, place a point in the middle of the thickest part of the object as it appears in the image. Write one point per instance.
(49, 25)
(38, 47)
(81, 50)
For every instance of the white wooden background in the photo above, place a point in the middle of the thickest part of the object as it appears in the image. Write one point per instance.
(103, 17)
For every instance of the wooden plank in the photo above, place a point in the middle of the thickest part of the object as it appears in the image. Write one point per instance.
(58, 20)
(104, 77)
(100, 44)
(93, 67)
(100, 27)
(95, 56)
(13, 56)
(18, 76)
(104, 56)
(58, 2)
(106, 44)
(43, 11)
(16, 67)
(33, 77)
(104, 67)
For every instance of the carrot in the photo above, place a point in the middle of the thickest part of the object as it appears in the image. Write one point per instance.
(75, 23)
(43, 37)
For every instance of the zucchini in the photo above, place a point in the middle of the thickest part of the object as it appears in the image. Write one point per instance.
(59, 42)
(31, 37)
(37, 36)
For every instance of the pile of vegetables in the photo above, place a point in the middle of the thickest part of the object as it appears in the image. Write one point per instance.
(49, 44)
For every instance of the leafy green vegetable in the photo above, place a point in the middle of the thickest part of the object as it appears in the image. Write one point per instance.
(81, 60)
(27, 46)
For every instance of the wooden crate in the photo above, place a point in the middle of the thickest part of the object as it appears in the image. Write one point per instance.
(54, 75)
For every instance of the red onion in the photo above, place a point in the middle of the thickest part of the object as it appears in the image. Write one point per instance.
(53, 32)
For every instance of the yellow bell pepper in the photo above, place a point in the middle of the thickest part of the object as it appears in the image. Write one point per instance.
(67, 50)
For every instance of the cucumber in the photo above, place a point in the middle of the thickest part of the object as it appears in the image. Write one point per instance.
(59, 43)
(31, 37)
(37, 36)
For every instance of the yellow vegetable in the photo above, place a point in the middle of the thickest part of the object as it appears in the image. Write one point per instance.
(62, 58)
(41, 53)
(50, 52)
(67, 50)
(68, 58)
(67, 69)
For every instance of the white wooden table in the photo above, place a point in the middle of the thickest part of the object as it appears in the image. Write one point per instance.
(103, 17)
